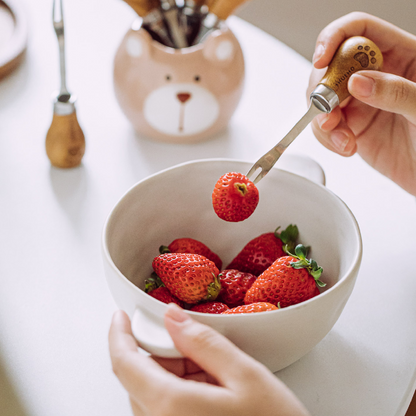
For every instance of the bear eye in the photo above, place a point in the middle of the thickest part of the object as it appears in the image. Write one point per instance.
(197, 78)
(168, 77)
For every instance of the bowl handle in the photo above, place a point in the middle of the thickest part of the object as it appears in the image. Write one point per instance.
(302, 165)
(151, 334)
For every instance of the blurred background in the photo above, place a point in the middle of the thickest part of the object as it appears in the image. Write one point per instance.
(297, 23)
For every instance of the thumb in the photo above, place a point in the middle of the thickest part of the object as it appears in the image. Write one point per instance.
(210, 350)
(385, 91)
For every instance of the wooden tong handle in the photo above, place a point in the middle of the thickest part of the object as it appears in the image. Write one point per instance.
(355, 54)
(143, 7)
(65, 141)
(223, 8)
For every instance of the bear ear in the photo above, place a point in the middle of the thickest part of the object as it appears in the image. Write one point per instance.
(137, 42)
(219, 48)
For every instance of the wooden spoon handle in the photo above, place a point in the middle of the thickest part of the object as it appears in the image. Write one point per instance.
(143, 7)
(224, 8)
(355, 54)
(65, 141)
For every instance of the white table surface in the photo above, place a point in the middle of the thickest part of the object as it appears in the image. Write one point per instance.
(55, 307)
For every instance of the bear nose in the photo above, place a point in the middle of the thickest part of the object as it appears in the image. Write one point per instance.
(183, 96)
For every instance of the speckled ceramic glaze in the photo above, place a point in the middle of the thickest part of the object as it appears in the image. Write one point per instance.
(178, 95)
(177, 203)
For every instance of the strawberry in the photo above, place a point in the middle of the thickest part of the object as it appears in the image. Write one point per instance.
(234, 197)
(189, 277)
(260, 253)
(210, 307)
(234, 286)
(288, 281)
(163, 294)
(189, 245)
(252, 308)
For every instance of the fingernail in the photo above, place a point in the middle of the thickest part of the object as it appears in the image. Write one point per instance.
(322, 119)
(319, 51)
(340, 140)
(118, 315)
(361, 85)
(176, 313)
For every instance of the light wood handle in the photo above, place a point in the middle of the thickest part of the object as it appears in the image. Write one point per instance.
(355, 54)
(143, 7)
(65, 141)
(224, 8)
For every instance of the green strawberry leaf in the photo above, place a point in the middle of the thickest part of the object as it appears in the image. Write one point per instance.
(213, 289)
(300, 251)
(153, 282)
(310, 265)
(289, 235)
(300, 264)
(320, 283)
(164, 249)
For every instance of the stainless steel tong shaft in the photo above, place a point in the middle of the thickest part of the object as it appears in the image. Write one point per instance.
(267, 161)
(58, 24)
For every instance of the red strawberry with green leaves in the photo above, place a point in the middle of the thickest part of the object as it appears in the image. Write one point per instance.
(234, 197)
(252, 308)
(163, 294)
(210, 307)
(234, 286)
(190, 277)
(189, 245)
(260, 253)
(288, 281)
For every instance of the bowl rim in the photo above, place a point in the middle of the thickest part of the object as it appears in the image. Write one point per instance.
(349, 274)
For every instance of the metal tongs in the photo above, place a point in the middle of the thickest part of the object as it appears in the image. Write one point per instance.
(355, 54)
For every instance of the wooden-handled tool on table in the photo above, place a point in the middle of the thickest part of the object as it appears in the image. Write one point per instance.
(355, 54)
(171, 14)
(191, 17)
(219, 10)
(152, 19)
(65, 141)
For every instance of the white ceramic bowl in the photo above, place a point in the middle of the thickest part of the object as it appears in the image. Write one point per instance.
(177, 203)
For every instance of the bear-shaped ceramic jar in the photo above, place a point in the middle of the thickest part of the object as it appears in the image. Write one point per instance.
(178, 95)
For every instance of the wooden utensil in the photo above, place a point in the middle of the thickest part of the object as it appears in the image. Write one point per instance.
(152, 19)
(170, 13)
(192, 15)
(219, 10)
(355, 54)
(65, 141)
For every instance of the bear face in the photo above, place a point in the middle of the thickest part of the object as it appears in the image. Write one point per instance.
(178, 95)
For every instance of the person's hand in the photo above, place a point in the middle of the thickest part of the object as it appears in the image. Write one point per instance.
(216, 378)
(379, 120)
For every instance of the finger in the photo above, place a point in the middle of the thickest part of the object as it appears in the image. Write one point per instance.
(191, 367)
(137, 409)
(178, 366)
(385, 91)
(214, 353)
(340, 140)
(173, 365)
(384, 34)
(201, 377)
(329, 121)
(141, 376)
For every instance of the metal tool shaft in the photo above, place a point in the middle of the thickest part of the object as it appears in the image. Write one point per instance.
(170, 12)
(267, 161)
(58, 24)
